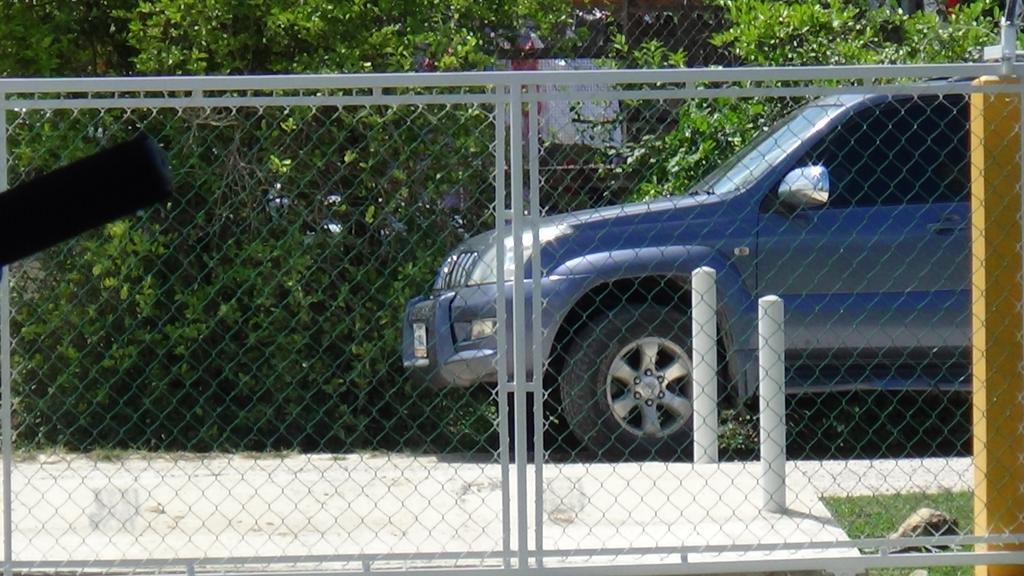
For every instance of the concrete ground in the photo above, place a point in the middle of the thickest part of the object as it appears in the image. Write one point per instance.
(74, 508)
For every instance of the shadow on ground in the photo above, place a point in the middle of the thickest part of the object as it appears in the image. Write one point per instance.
(842, 425)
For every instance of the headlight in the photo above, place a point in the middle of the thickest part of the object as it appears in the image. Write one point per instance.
(482, 328)
(475, 330)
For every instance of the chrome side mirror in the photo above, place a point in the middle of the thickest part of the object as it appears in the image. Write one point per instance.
(805, 187)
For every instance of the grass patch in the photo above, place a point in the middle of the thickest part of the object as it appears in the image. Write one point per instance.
(879, 516)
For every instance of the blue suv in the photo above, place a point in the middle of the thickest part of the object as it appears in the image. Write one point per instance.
(854, 209)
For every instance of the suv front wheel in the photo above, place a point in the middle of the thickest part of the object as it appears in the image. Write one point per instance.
(627, 387)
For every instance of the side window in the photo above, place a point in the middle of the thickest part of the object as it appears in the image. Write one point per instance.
(902, 152)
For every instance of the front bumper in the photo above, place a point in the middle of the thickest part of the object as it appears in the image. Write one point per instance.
(453, 360)
(447, 362)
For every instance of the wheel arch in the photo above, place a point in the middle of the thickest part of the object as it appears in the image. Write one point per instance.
(670, 290)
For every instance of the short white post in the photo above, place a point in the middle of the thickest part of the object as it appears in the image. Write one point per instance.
(771, 358)
(704, 303)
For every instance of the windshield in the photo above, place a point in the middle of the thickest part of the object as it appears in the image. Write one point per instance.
(750, 163)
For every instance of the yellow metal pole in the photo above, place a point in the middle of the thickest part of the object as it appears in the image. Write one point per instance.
(998, 352)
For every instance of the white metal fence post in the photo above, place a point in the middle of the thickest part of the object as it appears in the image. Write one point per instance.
(770, 353)
(519, 318)
(5, 363)
(705, 362)
(537, 362)
(501, 358)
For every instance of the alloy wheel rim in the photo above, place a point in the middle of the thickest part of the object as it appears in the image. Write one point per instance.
(648, 387)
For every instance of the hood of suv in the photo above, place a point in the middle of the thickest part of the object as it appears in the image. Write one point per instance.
(622, 214)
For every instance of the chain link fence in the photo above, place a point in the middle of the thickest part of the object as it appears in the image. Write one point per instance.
(257, 314)
(407, 322)
(853, 208)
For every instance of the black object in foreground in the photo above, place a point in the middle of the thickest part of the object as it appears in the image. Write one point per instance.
(66, 202)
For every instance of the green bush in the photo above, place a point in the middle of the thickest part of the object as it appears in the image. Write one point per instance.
(227, 320)
(672, 154)
(261, 308)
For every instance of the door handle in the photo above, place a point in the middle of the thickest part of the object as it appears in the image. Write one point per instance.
(947, 225)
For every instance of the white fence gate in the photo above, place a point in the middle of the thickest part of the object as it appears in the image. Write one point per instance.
(116, 456)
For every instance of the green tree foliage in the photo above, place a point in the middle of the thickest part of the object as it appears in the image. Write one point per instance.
(203, 36)
(125, 37)
(261, 308)
(703, 133)
(831, 32)
(54, 38)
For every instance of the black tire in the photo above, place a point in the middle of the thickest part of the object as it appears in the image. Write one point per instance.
(589, 389)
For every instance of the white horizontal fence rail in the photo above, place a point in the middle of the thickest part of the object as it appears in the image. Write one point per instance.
(214, 90)
(209, 101)
(885, 544)
(525, 544)
(837, 563)
(864, 74)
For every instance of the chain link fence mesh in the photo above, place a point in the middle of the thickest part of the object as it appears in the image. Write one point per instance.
(258, 313)
(872, 261)
(297, 356)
